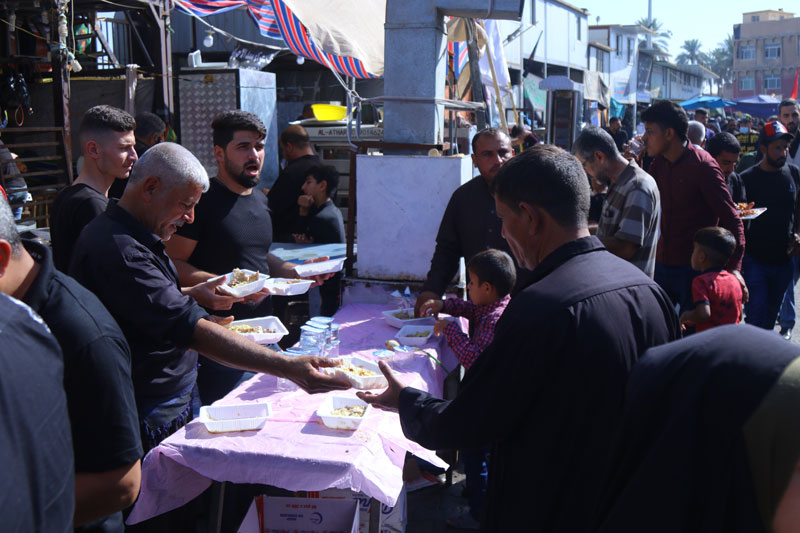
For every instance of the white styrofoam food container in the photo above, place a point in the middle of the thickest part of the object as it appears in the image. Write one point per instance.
(377, 381)
(243, 290)
(237, 417)
(267, 322)
(400, 322)
(321, 267)
(325, 412)
(288, 286)
(403, 337)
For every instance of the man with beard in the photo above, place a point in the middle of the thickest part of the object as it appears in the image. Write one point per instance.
(232, 229)
(631, 214)
(772, 238)
(107, 144)
(789, 115)
(469, 224)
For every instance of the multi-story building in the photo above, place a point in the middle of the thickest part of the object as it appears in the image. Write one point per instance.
(766, 53)
(680, 82)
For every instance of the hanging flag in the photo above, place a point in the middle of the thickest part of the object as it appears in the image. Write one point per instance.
(260, 10)
(460, 56)
(796, 83)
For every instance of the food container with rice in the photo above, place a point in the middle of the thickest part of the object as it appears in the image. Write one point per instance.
(288, 286)
(414, 335)
(398, 318)
(361, 373)
(242, 282)
(342, 412)
(264, 330)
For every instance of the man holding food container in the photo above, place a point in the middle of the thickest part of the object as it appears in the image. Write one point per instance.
(120, 257)
(232, 229)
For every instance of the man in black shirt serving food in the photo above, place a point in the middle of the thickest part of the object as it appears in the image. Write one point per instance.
(232, 229)
(120, 257)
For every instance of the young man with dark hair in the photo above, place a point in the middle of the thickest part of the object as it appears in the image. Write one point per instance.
(107, 140)
(701, 116)
(547, 393)
(772, 238)
(97, 379)
(320, 222)
(725, 149)
(628, 226)
(694, 195)
(619, 135)
(300, 158)
(150, 130)
(789, 116)
(232, 229)
(716, 293)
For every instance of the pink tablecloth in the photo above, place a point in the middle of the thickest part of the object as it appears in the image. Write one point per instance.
(293, 450)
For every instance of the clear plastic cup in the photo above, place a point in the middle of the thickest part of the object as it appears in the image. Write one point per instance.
(636, 146)
(334, 332)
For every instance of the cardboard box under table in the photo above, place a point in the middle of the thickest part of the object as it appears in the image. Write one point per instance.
(293, 451)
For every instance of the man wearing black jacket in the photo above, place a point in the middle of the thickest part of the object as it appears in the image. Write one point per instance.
(548, 392)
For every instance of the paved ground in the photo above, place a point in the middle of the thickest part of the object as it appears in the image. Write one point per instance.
(428, 508)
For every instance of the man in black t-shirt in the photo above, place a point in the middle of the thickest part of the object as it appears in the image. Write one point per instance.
(37, 492)
(97, 379)
(287, 188)
(107, 145)
(232, 229)
(772, 238)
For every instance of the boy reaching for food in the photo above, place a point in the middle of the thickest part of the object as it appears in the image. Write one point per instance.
(716, 293)
(491, 277)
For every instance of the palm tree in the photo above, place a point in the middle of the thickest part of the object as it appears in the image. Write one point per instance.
(660, 44)
(721, 60)
(692, 54)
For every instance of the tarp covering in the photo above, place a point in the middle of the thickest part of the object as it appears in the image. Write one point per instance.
(594, 88)
(761, 105)
(331, 43)
(711, 102)
(345, 28)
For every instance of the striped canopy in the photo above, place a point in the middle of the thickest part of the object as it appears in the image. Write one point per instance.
(276, 20)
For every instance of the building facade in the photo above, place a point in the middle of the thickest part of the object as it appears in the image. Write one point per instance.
(766, 53)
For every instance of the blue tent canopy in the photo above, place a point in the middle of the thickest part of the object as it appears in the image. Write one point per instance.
(711, 102)
(761, 105)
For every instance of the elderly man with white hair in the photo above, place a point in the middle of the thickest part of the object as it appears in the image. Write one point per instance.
(120, 257)
(697, 133)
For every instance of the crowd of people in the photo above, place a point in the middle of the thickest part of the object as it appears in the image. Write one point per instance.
(582, 409)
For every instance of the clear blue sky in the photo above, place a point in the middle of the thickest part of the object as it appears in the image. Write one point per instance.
(708, 20)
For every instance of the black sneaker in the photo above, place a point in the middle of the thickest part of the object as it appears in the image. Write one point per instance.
(786, 333)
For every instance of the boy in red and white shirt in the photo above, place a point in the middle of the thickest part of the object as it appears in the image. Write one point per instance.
(716, 293)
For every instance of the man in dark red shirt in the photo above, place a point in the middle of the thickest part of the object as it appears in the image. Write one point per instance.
(694, 195)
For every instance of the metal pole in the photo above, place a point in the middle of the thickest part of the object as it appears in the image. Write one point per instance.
(475, 72)
(650, 23)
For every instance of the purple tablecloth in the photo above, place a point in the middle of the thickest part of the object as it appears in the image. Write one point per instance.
(293, 450)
